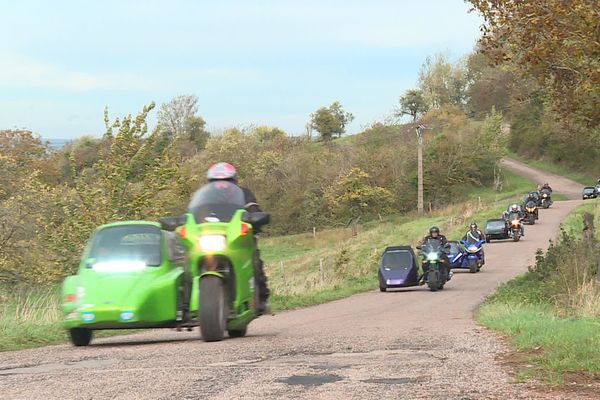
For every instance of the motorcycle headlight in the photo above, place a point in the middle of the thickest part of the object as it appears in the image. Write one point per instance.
(431, 256)
(515, 222)
(212, 242)
(472, 249)
(544, 195)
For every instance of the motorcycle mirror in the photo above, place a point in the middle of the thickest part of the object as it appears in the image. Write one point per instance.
(171, 223)
(256, 218)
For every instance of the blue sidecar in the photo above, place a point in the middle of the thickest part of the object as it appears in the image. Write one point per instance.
(398, 268)
(466, 255)
(456, 254)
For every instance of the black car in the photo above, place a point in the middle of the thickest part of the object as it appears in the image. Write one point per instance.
(589, 192)
(496, 229)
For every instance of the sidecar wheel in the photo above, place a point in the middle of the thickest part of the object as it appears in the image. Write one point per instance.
(80, 336)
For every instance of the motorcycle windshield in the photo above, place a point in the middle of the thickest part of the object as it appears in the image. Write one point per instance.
(216, 202)
(472, 238)
(432, 246)
(454, 248)
(127, 247)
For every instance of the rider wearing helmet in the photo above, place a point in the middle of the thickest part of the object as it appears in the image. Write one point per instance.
(546, 187)
(474, 235)
(226, 172)
(515, 212)
(532, 197)
(434, 234)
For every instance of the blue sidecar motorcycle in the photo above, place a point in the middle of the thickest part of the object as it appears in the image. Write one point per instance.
(473, 257)
(465, 255)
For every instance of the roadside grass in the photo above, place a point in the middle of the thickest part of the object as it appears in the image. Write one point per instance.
(555, 335)
(557, 169)
(31, 317)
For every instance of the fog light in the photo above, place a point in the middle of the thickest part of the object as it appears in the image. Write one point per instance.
(127, 315)
(88, 316)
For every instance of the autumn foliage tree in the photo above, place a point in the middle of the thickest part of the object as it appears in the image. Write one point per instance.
(555, 41)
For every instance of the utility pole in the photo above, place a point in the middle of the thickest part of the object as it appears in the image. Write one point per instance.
(420, 168)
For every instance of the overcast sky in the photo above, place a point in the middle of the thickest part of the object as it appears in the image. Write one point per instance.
(249, 62)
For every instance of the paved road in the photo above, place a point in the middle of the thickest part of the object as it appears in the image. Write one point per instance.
(404, 344)
(558, 183)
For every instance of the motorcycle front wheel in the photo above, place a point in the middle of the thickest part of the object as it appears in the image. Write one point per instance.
(433, 279)
(213, 308)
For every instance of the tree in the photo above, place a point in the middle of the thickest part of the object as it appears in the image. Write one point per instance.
(330, 121)
(489, 86)
(113, 196)
(354, 195)
(413, 104)
(555, 41)
(175, 116)
(442, 83)
(197, 133)
(266, 133)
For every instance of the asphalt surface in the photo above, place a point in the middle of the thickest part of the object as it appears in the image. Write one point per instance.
(401, 344)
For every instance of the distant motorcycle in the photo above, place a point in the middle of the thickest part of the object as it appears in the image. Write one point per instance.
(515, 229)
(531, 212)
(546, 199)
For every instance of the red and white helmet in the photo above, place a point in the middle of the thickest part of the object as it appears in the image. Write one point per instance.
(221, 171)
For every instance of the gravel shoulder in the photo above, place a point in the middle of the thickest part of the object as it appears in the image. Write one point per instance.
(403, 344)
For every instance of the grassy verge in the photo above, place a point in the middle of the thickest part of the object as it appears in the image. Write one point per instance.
(580, 177)
(31, 317)
(552, 312)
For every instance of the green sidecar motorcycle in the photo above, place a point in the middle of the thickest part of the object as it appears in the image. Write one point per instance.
(195, 270)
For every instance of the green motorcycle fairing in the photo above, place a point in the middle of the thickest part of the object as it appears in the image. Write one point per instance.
(219, 243)
(129, 277)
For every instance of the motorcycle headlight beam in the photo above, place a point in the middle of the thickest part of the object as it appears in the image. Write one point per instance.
(431, 256)
(212, 242)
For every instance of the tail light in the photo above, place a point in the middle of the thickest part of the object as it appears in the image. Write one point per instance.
(70, 298)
